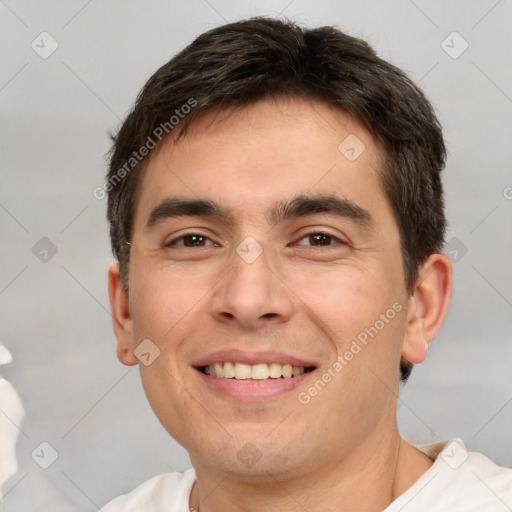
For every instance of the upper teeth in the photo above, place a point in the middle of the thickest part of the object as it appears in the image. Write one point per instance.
(260, 371)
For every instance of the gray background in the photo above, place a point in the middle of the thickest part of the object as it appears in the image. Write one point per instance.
(56, 114)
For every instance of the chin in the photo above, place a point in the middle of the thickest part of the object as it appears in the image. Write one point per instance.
(253, 455)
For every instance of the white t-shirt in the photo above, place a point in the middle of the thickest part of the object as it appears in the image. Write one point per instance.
(458, 481)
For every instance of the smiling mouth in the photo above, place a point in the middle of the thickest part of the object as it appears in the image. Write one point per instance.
(258, 372)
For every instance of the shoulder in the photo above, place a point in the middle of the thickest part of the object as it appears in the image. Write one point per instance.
(168, 491)
(458, 481)
(487, 482)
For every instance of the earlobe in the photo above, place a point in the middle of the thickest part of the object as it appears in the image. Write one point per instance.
(121, 317)
(427, 307)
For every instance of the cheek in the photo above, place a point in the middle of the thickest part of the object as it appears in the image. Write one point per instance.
(167, 299)
(363, 319)
(347, 300)
(365, 323)
(167, 307)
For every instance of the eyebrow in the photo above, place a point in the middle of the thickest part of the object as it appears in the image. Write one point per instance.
(304, 205)
(172, 207)
(300, 206)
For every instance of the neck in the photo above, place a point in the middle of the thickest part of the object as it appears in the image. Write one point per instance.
(367, 480)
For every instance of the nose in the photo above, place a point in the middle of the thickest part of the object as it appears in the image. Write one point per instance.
(251, 295)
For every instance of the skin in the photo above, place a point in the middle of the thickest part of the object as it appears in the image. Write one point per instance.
(342, 450)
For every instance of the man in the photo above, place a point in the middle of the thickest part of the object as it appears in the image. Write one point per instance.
(276, 212)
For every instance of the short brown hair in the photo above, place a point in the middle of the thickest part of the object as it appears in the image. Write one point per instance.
(240, 63)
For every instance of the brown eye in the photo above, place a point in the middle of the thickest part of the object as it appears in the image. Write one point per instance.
(190, 240)
(194, 241)
(318, 240)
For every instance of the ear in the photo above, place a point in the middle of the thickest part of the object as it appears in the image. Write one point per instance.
(427, 307)
(121, 317)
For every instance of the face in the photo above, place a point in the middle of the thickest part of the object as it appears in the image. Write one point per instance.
(260, 242)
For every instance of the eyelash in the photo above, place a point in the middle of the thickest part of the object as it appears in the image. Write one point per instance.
(332, 237)
(172, 242)
(181, 237)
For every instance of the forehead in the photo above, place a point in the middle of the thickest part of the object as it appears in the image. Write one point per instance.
(257, 156)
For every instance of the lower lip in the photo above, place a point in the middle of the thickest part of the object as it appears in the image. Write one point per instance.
(250, 390)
